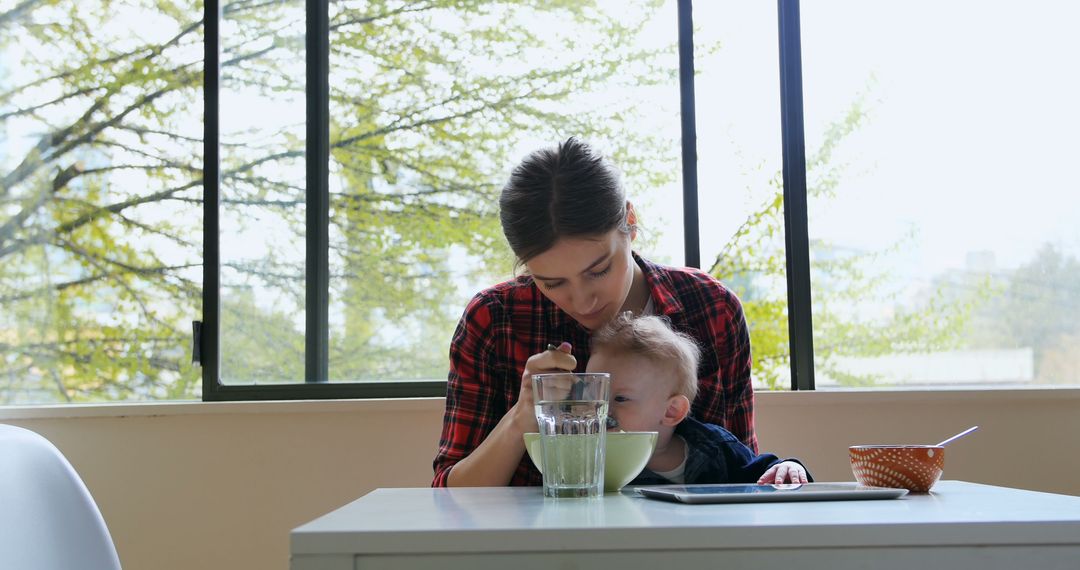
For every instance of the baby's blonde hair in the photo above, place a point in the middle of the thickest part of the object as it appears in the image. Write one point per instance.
(653, 338)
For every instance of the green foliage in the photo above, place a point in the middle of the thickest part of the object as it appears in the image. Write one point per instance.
(753, 263)
(101, 190)
(97, 293)
(427, 102)
(1035, 305)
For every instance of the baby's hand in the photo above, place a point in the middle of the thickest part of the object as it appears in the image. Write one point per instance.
(784, 472)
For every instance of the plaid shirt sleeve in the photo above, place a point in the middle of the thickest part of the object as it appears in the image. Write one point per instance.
(713, 315)
(474, 404)
(733, 352)
(501, 328)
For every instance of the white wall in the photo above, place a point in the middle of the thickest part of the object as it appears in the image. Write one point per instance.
(206, 485)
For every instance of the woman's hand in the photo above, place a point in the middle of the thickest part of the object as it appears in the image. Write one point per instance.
(554, 359)
(784, 472)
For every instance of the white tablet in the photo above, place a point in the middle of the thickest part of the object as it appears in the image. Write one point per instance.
(733, 493)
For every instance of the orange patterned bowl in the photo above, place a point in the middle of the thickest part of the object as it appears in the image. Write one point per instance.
(912, 467)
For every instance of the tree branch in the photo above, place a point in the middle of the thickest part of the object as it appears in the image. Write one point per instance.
(60, 99)
(96, 262)
(369, 19)
(17, 12)
(100, 63)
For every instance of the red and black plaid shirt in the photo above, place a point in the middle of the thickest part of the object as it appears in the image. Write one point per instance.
(506, 324)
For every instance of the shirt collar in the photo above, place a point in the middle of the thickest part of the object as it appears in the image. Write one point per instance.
(661, 288)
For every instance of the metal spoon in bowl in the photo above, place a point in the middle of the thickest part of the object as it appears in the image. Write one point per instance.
(958, 436)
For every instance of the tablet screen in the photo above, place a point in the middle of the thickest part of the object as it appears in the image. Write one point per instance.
(783, 488)
(730, 493)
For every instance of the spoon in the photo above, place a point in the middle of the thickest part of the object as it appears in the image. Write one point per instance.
(958, 436)
(579, 387)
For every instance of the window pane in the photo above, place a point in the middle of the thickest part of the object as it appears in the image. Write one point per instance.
(100, 200)
(739, 172)
(263, 192)
(430, 108)
(945, 241)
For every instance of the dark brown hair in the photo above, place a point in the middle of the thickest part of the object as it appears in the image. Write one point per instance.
(652, 338)
(564, 191)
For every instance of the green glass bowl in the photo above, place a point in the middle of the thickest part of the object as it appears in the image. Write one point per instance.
(625, 457)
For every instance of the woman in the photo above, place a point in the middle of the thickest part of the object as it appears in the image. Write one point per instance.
(566, 217)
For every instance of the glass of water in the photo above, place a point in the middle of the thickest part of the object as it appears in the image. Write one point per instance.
(571, 410)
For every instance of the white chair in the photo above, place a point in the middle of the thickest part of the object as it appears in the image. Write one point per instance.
(48, 520)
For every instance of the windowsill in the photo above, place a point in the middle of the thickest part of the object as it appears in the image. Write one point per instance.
(194, 407)
(848, 396)
(435, 405)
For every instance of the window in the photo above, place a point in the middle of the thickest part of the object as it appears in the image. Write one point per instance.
(100, 193)
(354, 151)
(426, 108)
(739, 168)
(263, 205)
(943, 230)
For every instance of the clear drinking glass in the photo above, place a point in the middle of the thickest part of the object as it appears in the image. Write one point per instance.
(571, 411)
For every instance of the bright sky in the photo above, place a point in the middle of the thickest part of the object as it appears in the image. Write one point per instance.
(971, 134)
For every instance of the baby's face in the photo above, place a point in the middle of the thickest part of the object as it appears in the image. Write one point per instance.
(640, 390)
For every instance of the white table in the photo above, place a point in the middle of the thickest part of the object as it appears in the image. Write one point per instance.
(959, 525)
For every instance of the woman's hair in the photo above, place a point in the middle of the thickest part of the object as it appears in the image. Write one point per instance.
(651, 337)
(564, 191)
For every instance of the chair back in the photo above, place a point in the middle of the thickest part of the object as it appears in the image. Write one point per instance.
(48, 520)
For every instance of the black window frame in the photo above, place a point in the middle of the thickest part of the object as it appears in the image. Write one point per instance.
(316, 383)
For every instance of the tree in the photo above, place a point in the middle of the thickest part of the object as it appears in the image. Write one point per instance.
(1035, 305)
(101, 185)
(92, 302)
(99, 259)
(753, 262)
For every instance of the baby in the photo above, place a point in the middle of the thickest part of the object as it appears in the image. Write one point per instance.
(653, 381)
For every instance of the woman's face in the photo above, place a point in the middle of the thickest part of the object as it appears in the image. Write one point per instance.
(588, 278)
